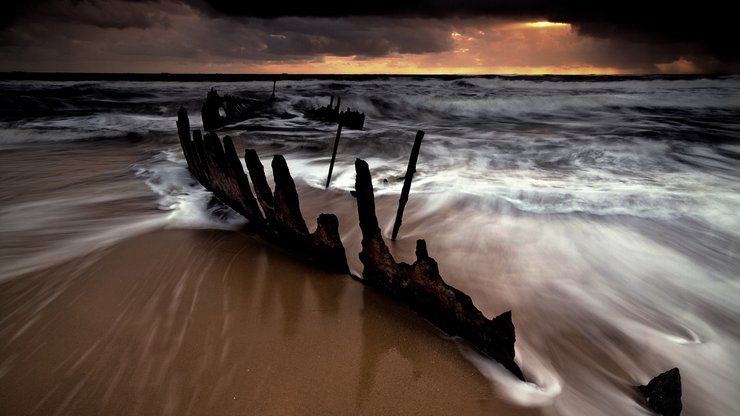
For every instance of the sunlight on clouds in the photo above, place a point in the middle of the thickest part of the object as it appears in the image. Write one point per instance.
(679, 66)
(481, 47)
(545, 24)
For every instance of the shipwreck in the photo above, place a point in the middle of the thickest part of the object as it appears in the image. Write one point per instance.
(219, 111)
(331, 114)
(275, 215)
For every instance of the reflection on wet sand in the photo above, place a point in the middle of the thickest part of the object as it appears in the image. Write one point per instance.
(183, 322)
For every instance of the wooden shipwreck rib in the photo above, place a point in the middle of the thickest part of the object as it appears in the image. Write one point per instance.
(420, 286)
(218, 111)
(277, 217)
(329, 113)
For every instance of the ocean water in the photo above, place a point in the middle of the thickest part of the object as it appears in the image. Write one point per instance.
(603, 211)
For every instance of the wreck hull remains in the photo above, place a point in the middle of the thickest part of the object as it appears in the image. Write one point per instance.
(354, 120)
(277, 217)
(420, 286)
(218, 111)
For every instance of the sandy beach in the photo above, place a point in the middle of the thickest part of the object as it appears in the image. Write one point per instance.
(179, 322)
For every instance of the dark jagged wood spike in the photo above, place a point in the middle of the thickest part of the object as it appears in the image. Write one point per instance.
(325, 243)
(217, 167)
(328, 243)
(200, 156)
(183, 133)
(192, 155)
(215, 151)
(219, 170)
(287, 206)
(193, 149)
(245, 202)
(663, 393)
(420, 286)
(261, 187)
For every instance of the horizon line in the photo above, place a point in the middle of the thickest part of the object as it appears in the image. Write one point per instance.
(421, 74)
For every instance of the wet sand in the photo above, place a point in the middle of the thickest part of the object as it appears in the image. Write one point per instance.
(179, 322)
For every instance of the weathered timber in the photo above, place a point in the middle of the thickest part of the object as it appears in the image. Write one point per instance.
(407, 182)
(261, 187)
(334, 154)
(217, 167)
(246, 202)
(183, 132)
(331, 114)
(663, 393)
(287, 205)
(420, 286)
(324, 244)
(218, 111)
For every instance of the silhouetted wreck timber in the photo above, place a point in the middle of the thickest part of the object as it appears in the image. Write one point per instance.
(217, 167)
(277, 217)
(420, 286)
(350, 119)
(218, 111)
(663, 393)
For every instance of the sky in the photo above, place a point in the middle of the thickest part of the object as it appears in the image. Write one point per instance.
(378, 37)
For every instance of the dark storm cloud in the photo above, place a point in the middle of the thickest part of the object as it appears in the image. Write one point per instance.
(221, 36)
(707, 25)
(631, 35)
(367, 37)
(117, 14)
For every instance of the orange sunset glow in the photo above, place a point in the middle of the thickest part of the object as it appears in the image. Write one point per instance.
(437, 38)
(528, 48)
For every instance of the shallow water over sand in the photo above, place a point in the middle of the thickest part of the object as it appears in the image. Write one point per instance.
(602, 213)
(195, 322)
